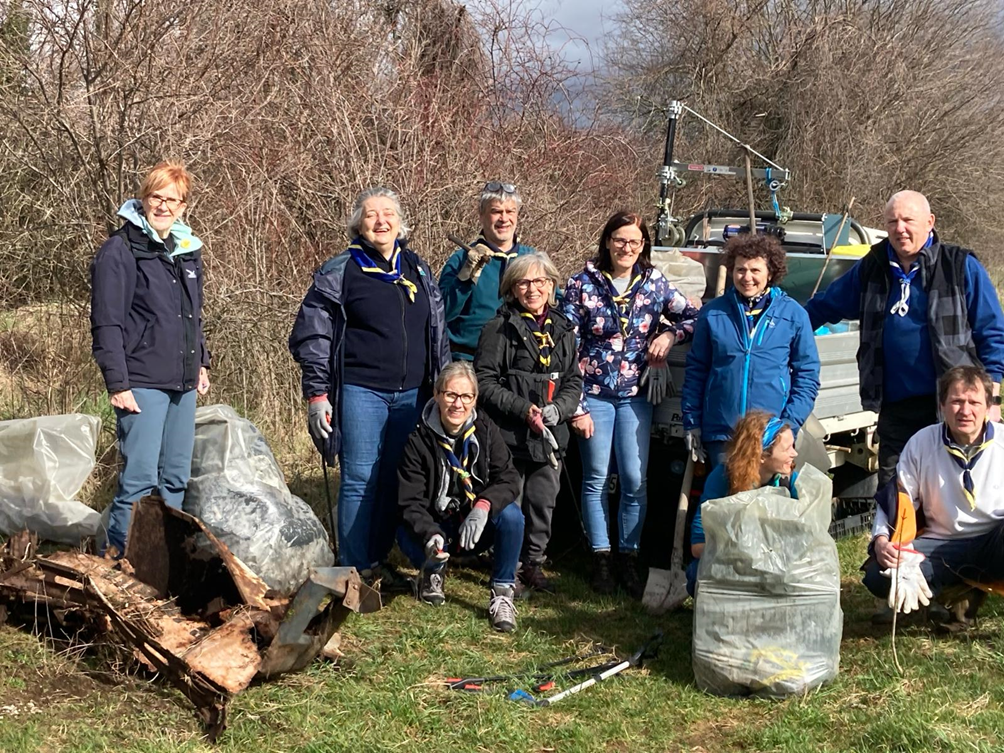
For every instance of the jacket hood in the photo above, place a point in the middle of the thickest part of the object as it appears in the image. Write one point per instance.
(184, 241)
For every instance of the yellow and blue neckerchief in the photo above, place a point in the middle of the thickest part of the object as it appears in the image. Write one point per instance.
(542, 334)
(460, 466)
(623, 302)
(369, 267)
(967, 460)
(754, 307)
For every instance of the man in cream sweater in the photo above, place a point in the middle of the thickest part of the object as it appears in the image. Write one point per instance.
(942, 524)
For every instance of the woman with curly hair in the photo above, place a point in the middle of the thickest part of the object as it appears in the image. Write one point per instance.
(760, 453)
(753, 349)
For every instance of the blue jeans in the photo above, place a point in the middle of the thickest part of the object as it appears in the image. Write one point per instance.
(622, 427)
(156, 450)
(978, 558)
(504, 530)
(375, 427)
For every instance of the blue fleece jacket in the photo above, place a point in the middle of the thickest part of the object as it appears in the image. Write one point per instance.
(730, 371)
(906, 342)
(470, 307)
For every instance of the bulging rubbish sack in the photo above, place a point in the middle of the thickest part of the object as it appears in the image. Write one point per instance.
(239, 492)
(767, 617)
(44, 462)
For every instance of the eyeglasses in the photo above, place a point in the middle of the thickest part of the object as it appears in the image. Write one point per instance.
(538, 282)
(465, 397)
(171, 203)
(495, 186)
(633, 243)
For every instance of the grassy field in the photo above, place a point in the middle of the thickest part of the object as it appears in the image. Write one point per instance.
(386, 694)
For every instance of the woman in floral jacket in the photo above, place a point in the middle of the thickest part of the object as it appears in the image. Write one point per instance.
(627, 316)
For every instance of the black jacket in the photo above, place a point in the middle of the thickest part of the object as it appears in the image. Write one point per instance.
(146, 314)
(424, 476)
(511, 378)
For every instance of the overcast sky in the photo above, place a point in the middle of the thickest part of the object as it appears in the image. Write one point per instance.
(587, 19)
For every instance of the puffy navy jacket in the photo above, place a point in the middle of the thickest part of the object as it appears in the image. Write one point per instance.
(319, 334)
(146, 313)
(730, 372)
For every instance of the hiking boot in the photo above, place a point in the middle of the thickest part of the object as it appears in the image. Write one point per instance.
(391, 579)
(501, 608)
(627, 574)
(603, 579)
(429, 587)
(531, 575)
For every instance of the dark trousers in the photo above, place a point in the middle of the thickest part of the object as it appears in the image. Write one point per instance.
(978, 558)
(896, 424)
(539, 484)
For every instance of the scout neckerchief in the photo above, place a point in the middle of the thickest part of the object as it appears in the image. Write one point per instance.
(542, 333)
(623, 301)
(754, 306)
(460, 467)
(966, 457)
(497, 253)
(369, 267)
(902, 306)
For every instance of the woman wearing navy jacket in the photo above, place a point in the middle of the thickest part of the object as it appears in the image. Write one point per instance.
(146, 325)
(370, 338)
(753, 349)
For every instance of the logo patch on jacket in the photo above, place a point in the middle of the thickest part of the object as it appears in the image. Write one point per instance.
(191, 274)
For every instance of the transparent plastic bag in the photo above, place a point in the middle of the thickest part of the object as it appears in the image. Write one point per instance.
(687, 274)
(44, 462)
(767, 618)
(238, 490)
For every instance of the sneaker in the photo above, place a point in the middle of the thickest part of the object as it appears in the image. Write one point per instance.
(501, 608)
(627, 574)
(603, 579)
(430, 587)
(531, 575)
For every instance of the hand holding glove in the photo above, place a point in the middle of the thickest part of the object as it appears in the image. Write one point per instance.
(474, 524)
(477, 256)
(909, 589)
(550, 415)
(435, 549)
(535, 419)
(660, 382)
(319, 417)
(692, 439)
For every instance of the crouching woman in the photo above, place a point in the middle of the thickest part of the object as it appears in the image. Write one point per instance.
(458, 489)
(760, 453)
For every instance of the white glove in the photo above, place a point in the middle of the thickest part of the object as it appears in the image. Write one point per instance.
(551, 445)
(692, 439)
(435, 549)
(474, 524)
(660, 383)
(909, 590)
(473, 264)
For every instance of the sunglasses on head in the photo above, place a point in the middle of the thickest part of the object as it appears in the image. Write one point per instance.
(497, 186)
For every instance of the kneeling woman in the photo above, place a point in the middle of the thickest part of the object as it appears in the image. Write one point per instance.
(760, 453)
(458, 489)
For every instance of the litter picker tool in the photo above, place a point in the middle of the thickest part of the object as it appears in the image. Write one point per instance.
(331, 509)
(667, 589)
(544, 680)
(650, 649)
(833, 245)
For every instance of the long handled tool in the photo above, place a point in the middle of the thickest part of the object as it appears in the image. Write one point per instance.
(475, 684)
(650, 649)
(833, 245)
(667, 589)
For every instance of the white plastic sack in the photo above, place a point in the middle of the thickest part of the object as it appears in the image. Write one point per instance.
(44, 462)
(239, 492)
(767, 617)
(685, 273)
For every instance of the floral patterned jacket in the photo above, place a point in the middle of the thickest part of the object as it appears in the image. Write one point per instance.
(611, 363)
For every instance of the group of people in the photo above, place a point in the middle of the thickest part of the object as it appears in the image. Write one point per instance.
(449, 404)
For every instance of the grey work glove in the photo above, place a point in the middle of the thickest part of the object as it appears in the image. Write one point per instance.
(435, 549)
(551, 447)
(474, 524)
(319, 419)
(550, 414)
(660, 383)
(692, 439)
(476, 259)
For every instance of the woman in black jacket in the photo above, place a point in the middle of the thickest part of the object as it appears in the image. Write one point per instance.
(456, 487)
(146, 325)
(530, 384)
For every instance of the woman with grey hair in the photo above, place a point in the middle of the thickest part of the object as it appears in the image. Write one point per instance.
(530, 384)
(370, 338)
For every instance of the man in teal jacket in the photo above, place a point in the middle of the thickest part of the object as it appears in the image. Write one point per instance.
(470, 280)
